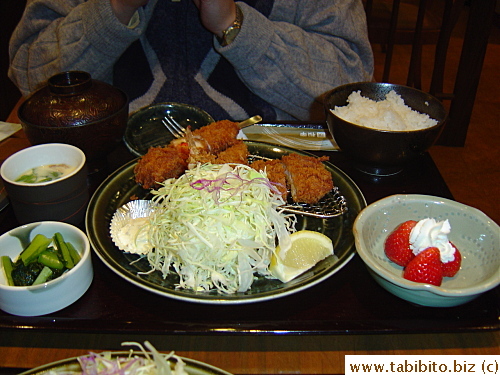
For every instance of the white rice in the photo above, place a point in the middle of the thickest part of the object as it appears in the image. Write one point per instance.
(389, 114)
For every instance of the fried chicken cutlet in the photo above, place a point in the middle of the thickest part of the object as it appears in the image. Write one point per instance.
(275, 171)
(213, 143)
(237, 153)
(307, 177)
(159, 164)
(218, 135)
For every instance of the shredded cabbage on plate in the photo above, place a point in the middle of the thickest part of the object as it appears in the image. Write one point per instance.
(216, 226)
(148, 363)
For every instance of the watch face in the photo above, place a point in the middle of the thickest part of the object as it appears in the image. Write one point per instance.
(230, 35)
(232, 31)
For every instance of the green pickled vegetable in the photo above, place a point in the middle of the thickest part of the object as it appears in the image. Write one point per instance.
(37, 246)
(50, 259)
(25, 275)
(8, 267)
(44, 259)
(75, 255)
(44, 275)
(63, 248)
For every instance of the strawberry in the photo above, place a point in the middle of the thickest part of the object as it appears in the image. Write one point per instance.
(451, 268)
(397, 244)
(426, 267)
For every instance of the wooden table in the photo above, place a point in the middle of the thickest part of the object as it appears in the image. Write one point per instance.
(309, 332)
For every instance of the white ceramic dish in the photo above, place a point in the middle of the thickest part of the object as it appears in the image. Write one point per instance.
(62, 199)
(475, 235)
(56, 294)
(34, 156)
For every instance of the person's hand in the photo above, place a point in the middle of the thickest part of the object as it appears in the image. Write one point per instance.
(216, 15)
(125, 9)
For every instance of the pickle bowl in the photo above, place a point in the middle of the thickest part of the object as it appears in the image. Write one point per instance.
(49, 296)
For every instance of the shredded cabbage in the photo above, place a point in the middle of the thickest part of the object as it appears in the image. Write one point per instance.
(216, 226)
(149, 363)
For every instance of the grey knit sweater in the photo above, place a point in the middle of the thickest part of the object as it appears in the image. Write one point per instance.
(288, 53)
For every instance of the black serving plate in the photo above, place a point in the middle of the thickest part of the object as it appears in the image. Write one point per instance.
(118, 189)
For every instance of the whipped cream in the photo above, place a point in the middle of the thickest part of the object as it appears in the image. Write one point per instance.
(431, 233)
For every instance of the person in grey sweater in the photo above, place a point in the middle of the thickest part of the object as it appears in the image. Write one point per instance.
(234, 60)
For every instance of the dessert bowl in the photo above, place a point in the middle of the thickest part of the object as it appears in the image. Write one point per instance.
(376, 151)
(53, 295)
(472, 232)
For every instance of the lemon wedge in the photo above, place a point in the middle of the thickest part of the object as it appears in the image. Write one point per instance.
(307, 248)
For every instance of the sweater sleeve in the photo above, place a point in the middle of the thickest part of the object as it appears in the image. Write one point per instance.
(303, 49)
(62, 35)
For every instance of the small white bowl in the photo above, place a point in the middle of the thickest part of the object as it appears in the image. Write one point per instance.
(475, 235)
(53, 295)
(63, 199)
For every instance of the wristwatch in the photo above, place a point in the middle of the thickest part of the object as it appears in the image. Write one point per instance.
(232, 31)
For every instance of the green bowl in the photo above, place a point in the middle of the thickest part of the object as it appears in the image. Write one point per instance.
(474, 234)
(145, 128)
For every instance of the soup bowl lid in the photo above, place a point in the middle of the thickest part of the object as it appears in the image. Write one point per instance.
(71, 98)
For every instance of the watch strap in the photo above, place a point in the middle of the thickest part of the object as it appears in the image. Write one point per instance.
(232, 31)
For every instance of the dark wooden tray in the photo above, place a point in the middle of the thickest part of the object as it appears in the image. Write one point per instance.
(350, 302)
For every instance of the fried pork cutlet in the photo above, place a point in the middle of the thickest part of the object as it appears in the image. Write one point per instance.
(218, 135)
(237, 153)
(159, 164)
(275, 171)
(307, 177)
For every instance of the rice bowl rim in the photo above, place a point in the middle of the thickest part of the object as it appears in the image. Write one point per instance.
(355, 87)
(440, 123)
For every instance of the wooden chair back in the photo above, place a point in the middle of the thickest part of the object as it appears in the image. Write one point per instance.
(424, 22)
